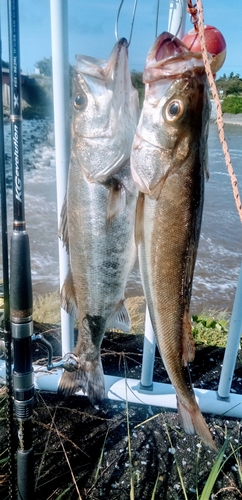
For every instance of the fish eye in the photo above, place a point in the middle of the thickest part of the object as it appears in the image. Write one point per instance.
(174, 110)
(80, 102)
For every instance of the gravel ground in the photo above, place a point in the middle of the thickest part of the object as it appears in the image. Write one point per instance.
(82, 451)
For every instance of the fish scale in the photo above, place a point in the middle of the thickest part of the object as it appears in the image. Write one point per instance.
(168, 163)
(98, 214)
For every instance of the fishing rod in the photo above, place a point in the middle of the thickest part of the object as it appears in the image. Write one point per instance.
(6, 320)
(21, 301)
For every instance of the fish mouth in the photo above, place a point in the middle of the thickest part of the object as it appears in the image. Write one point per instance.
(117, 64)
(169, 57)
(102, 69)
(123, 42)
(167, 46)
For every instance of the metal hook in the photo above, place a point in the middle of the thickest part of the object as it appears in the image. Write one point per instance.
(157, 21)
(132, 22)
(178, 28)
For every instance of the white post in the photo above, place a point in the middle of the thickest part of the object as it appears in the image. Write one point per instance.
(60, 69)
(231, 351)
(177, 18)
(176, 26)
(148, 360)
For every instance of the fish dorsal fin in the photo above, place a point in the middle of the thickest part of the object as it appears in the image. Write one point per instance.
(68, 298)
(116, 200)
(121, 319)
(188, 344)
(139, 219)
(63, 227)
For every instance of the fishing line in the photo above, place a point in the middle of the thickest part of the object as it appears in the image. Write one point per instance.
(220, 122)
(132, 22)
(175, 7)
(192, 10)
(178, 29)
(177, 34)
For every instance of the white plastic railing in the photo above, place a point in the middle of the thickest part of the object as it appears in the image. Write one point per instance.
(143, 391)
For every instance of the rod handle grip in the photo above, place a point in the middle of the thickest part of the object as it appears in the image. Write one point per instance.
(25, 468)
(21, 299)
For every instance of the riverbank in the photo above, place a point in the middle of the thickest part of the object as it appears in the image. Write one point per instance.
(231, 119)
(228, 118)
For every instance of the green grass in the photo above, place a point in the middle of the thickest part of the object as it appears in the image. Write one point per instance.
(232, 104)
(217, 467)
(211, 328)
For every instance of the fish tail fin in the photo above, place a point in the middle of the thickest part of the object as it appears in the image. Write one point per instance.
(193, 422)
(89, 378)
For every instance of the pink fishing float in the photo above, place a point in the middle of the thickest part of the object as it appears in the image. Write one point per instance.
(215, 44)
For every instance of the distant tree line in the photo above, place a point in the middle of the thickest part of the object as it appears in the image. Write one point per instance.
(230, 85)
(137, 81)
(45, 66)
(231, 89)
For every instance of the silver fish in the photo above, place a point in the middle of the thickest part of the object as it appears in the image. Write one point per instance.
(169, 164)
(98, 214)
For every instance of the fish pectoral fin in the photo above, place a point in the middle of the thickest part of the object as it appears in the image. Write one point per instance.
(155, 191)
(121, 319)
(139, 219)
(116, 200)
(188, 344)
(68, 298)
(63, 226)
(111, 167)
(193, 422)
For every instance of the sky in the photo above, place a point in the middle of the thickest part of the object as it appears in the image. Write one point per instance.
(92, 29)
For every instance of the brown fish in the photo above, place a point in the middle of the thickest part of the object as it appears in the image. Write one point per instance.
(169, 163)
(99, 211)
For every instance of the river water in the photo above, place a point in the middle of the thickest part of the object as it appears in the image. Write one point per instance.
(220, 248)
